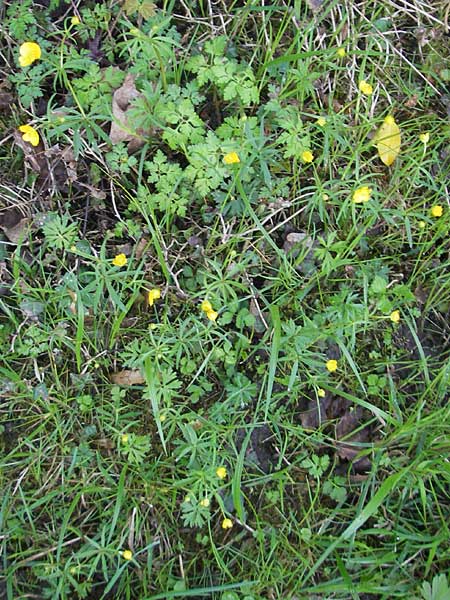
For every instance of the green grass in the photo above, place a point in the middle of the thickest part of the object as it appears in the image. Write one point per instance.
(337, 483)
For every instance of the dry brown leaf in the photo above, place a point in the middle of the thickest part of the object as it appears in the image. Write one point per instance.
(351, 438)
(120, 127)
(70, 163)
(127, 377)
(34, 155)
(141, 246)
(19, 233)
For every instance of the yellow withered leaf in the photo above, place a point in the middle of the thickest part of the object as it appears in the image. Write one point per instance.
(388, 140)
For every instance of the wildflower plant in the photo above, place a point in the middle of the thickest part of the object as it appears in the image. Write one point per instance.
(224, 299)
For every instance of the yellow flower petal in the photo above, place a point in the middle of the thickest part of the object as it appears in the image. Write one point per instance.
(30, 134)
(204, 503)
(395, 316)
(221, 472)
(365, 88)
(437, 210)
(127, 554)
(362, 194)
(307, 156)
(120, 260)
(206, 306)
(227, 524)
(341, 52)
(28, 53)
(75, 20)
(332, 365)
(212, 315)
(231, 158)
(321, 121)
(424, 137)
(153, 295)
(321, 393)
(388, 140)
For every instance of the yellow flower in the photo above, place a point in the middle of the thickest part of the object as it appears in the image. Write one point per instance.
(204, 503)
(124, 439)
(231, 158)
(422, 224)
(332, 365)
(341, 52)
(437, 210)
(227, 524)
(395, 316)
(321, 393)
(212, 315)
(75, 20)
(120, 260)
(127, 554)
(162, 418)
(221, 472)
(424, 137)
(28, 53)
(153, 295)
(206, 306)
(307, 156)
(321, 121)
(29, 134)
(365, 87)
(362, 194)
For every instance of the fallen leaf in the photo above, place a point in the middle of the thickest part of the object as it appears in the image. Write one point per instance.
(19, 233)
(141, 246)
(128, 377)
(68, 158)
(316, 414)
(34, 155)
(351, 437)
(388, 140)
(120, 127)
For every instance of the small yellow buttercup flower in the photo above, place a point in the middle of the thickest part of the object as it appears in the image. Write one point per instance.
(437, 210)
(395, 316)
(29, 134)
(206, 306)
(341, 52)
(365, 88)
(307, 156)
(321, 393)
(28, 53)
(332, 365)
(212, 315)
(75, 20)
(362, 194)
(120, 260)
(321, 121)
(204, 503)
(424, 137)
(127, 554)
(231, 158)
(124, 438)
(153, 295)
(227, 524)
(221, 472)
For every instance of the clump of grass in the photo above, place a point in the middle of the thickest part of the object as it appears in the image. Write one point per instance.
(224, 328)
